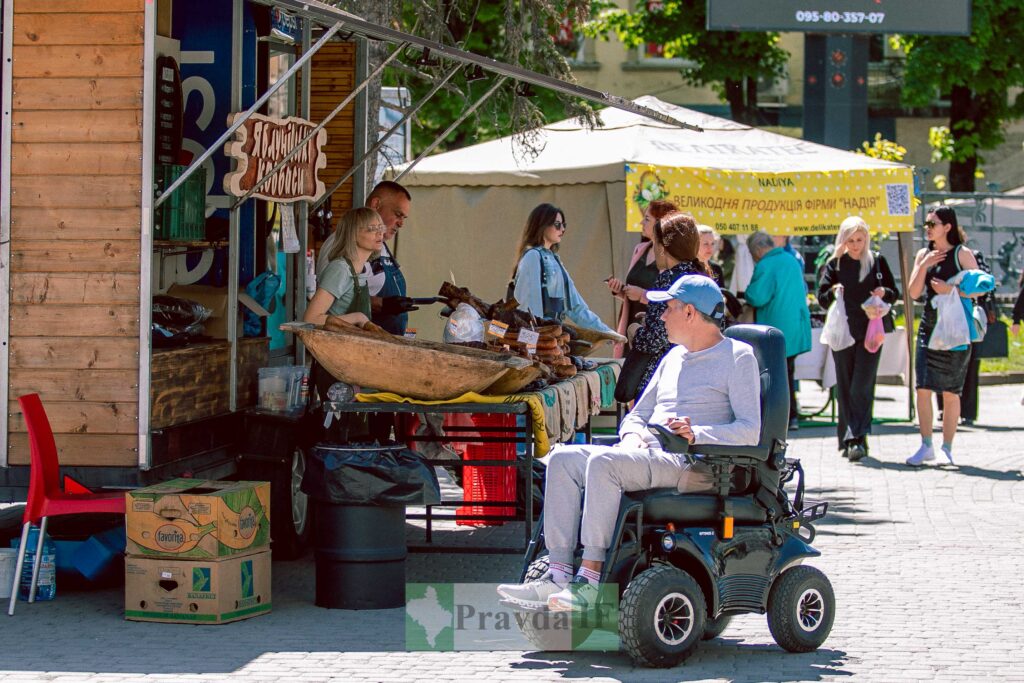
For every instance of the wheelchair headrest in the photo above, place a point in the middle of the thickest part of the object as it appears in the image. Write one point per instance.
(769, 347)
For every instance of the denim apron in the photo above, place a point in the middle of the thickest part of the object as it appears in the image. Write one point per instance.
(394, 285)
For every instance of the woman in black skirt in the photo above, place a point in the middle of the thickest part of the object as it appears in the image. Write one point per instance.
(938, 371)
(858, 273)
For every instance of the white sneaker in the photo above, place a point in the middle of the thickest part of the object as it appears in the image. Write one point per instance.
(924, 454)
(948, 452)
(578, 596)
(532, 595)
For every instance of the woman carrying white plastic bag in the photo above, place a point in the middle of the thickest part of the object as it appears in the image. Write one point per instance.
(836, 332)
(939, 370)
(852, 276)
(951, 331)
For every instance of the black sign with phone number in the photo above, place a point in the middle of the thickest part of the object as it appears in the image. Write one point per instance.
(951, 17)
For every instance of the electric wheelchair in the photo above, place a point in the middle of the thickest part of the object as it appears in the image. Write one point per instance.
(686, 563)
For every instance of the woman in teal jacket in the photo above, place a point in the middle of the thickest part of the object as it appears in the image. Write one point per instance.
(779, 297)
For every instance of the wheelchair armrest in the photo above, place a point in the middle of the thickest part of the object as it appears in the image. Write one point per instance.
(671, 442)
(734, 453)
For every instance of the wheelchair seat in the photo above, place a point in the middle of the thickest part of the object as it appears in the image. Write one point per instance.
(693, 509)
(744, 502)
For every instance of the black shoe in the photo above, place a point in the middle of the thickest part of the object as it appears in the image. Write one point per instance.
(794, 424)
(845, 451)
(856, 452)
(967, 422)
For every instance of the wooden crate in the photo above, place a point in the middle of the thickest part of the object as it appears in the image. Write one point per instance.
(191, 383)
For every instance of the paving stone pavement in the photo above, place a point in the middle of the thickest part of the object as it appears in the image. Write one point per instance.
(925, 565)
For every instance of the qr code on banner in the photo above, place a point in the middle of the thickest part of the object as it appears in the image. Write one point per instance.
(898, 199)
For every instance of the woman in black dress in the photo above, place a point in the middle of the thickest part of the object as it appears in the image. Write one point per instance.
(677, 241)
(858, 273)
(938, 371)
(643, 269)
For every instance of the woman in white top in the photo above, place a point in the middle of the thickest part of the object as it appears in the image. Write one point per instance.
(542, 286)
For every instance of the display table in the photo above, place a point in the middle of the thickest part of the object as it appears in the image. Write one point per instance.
(818, 364)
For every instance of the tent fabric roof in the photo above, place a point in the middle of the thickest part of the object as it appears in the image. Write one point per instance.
(574, 155)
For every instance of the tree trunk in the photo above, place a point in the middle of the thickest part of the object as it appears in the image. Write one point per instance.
(962, 109)
(753, 114)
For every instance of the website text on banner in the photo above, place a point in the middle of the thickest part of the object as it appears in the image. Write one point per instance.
(804, 203)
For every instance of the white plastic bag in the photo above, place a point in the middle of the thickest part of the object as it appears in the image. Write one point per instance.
(836, 332)
(951, 328)
(464, 325)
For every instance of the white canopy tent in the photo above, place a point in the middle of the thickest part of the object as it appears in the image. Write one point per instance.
(469, 205)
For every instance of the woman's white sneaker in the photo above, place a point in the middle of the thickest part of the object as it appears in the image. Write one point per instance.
(924, 454)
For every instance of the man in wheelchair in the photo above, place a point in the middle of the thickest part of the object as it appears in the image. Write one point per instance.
(705, 390)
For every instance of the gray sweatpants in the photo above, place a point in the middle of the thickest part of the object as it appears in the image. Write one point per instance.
(603, 473)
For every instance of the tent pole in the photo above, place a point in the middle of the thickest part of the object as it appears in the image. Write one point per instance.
(906, 243)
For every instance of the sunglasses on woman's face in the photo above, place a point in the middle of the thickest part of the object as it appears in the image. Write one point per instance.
(560, 225)
(929, 224)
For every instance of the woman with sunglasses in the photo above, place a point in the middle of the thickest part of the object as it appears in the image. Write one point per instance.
(938, 371)
(643, 270)
(341, 289)
(540, 283)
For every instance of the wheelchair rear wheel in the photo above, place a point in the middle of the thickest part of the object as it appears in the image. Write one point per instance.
(662, 616)
(801, 609)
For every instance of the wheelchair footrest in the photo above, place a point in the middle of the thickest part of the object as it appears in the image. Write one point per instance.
(813, 510)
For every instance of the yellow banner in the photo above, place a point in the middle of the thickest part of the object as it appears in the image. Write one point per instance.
(804, 203)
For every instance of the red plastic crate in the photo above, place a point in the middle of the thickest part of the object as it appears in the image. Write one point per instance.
(482, 484)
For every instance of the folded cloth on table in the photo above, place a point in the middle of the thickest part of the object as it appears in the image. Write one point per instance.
(594, 384)
(552, 413)
(540, 436)
(567, 411)
(609, 375)
(582, 389)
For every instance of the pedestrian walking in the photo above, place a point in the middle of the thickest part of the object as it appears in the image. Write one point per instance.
(858, 274)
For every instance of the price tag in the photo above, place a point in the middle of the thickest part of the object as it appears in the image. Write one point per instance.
(410, 333)
(496, 328)
(530, 339)
(166, 575)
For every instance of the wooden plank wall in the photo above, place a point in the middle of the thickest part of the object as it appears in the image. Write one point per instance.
(76, 172)
(332, 79)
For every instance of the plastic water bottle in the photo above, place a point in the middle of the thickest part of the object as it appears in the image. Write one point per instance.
(47, 586)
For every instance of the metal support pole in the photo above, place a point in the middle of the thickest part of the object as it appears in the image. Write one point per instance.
(384, 138)
(302, 214)
(239, 121)
(448, 131)
(234, 231)
(5, 225)
(330, 117)
(145, 354)
(906, 243)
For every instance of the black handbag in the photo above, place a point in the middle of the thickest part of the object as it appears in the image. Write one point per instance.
(995, 343)
(633, 369)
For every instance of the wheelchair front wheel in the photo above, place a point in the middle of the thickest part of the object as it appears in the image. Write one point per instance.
(662, 616)
(801, 609)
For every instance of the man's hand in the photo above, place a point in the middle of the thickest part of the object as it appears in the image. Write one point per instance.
(633, 440)
(681, 427)
(393, 305)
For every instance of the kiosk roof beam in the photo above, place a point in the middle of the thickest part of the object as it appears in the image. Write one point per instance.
(326, 14)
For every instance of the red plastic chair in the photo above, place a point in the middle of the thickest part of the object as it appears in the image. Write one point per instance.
(45, 497)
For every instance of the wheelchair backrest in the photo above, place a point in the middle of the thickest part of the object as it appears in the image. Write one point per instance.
(770, 350)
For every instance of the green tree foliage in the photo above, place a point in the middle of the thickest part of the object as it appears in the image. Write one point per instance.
(976, 73)
(728, 61)
(518, 32)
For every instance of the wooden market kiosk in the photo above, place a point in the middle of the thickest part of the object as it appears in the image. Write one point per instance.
(83, 99)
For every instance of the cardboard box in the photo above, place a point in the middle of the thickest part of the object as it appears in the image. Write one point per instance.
(216, 299)
(198, 519)
(197, 591)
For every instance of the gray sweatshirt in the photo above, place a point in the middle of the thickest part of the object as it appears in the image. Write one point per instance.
(718, 388)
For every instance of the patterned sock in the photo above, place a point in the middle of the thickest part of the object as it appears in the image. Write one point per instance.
(592, 577)
(927, 441)
(561, 573)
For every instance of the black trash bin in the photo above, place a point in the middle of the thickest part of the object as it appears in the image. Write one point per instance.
(360, 492)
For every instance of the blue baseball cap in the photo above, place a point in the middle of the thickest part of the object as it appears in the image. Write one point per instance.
(698, 290)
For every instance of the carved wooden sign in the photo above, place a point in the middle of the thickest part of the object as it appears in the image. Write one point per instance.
(263, 141)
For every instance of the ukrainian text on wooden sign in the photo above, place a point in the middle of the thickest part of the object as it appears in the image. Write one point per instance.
(260, 144)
